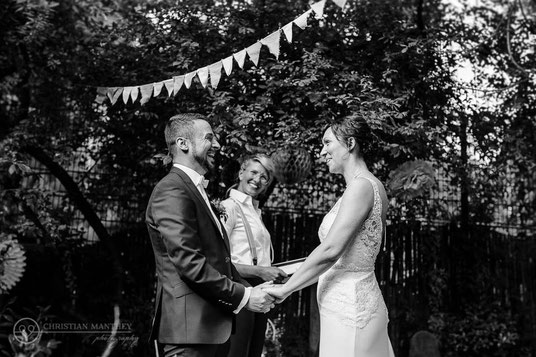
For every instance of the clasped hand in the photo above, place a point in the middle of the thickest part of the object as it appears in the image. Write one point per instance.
(276, 291)
(263, 297)
(259, 300)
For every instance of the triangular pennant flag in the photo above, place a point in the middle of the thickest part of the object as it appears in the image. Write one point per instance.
(254, 52)
(287, 29)
(240, 57)
(169, 86)
(215, 73)
(188, 78)
(318, 8)
(116, 95)
(301, 21)
(202, 73)
(146, 93)
(340, 3)
(134, 93)
(126, 94)
(157, 88)
(110, 92)
(228, 65)
(102, 94)
(177, 83)
(272, 42)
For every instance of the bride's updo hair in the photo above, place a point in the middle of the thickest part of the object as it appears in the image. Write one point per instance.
(353, 126)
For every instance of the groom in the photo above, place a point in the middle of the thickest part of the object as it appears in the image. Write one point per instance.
(199, 290)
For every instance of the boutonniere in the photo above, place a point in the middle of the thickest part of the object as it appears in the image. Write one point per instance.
(219, 209)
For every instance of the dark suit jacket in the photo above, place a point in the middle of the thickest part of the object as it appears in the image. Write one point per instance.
(197, 283)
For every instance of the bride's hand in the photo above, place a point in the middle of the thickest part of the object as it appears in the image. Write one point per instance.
(277, 291)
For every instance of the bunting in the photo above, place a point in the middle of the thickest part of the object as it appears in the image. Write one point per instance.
(318, 9)
(126, 94)
(114, 94)
(215, 74)
(272, 42)
(214, 71)
(177, 84)
(287, 30)
(146, 91)
(157, 88)
(202, 74)
(134, 93)
(340, 3)
(240, 58)
(228, 65)
(301, 21)
(188, 78)
(254, 52)
(169, 86)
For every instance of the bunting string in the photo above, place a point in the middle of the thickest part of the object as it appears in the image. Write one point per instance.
(211, 74)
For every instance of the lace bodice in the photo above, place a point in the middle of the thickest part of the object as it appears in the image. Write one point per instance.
(349, 288)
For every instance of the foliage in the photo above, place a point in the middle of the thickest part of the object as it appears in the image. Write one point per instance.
(411, 179)
(25, 345)
(478, 331)
(395, 67)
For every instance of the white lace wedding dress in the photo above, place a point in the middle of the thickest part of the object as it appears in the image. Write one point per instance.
(353, 315)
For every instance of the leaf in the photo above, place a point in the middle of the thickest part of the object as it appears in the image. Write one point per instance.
(24, 168)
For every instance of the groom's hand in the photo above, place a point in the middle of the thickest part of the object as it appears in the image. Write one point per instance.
(276, 291)
(259, 301)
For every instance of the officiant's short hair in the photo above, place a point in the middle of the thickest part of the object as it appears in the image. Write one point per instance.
(264, 160)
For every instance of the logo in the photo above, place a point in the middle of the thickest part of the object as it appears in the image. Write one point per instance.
(26, 331)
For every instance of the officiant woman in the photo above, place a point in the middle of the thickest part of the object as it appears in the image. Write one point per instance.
(251, 248)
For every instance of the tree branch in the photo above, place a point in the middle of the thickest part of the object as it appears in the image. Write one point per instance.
(508, 45)
(85, 208)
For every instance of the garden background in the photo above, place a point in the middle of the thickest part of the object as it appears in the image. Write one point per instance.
(447, 86)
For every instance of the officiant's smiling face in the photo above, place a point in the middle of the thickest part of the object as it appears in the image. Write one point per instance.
(333, 152)
(254, 179)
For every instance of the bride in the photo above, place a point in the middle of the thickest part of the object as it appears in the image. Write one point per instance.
(353, 315)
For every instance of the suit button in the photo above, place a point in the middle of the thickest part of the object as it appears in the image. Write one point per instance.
(227, 259)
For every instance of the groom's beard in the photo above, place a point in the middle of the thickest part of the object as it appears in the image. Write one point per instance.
(203, 160)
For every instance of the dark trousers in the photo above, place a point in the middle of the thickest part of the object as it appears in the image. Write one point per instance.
(194, 350)
(248, 339)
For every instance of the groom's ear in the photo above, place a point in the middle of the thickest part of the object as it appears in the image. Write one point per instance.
(351, 144)
(182, 144)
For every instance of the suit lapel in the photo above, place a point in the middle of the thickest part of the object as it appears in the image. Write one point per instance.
(225, 237)
(191, 186)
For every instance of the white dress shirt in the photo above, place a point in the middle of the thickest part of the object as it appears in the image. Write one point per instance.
(198, 179)
(234, 225)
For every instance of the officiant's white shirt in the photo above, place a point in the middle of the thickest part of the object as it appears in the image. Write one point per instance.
(234, 225)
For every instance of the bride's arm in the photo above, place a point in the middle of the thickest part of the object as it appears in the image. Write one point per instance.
(356, 204)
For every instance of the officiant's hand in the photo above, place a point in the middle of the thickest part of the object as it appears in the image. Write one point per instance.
(271, 273)
(277, 291)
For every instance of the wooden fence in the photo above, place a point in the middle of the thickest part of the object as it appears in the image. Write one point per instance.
(422, 270)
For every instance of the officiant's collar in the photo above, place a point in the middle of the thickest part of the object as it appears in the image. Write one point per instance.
(243, 197)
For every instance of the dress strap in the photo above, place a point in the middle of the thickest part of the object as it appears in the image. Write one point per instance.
(377, 199)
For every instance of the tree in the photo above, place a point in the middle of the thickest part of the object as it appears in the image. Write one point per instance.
(393, 66)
